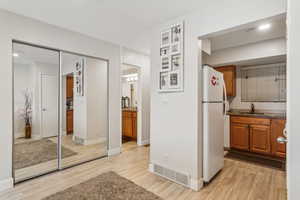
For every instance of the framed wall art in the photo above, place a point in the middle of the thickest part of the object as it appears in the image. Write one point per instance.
(172, 59)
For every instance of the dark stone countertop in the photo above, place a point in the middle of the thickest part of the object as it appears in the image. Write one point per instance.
(132, 109)
(259, 113)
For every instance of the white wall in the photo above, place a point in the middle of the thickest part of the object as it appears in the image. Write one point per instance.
(143, 62)
(126, 91)
(176, 120)
(28, 76)
(96, 79)
(264, 49)
(25, 29)
(23, 80)
(236, 102)
(293, 99)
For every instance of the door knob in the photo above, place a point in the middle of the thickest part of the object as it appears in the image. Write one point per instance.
(44, 109)
(282, 140)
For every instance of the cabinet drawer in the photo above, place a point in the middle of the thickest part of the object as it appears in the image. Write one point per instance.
(250, 120)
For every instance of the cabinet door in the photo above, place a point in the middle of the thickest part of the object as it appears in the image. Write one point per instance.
(239, 136)
(70, 85)
(127, 124)
(229, 73)
(277, 127)
(260, 139)
(69, 122)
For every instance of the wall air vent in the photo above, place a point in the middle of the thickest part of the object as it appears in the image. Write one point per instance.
(172, 175)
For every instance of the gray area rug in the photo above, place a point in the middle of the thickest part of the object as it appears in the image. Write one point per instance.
(35, 152)
(107, 186)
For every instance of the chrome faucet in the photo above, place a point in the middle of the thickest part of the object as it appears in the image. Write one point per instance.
(252, 108)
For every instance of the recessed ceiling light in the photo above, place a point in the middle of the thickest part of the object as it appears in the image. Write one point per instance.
(264, 27)
(15, 55)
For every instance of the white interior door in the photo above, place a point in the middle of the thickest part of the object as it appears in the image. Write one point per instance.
(49, 105)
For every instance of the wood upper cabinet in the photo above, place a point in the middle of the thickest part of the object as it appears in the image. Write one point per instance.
(260, 139)
(239, 136)
(229, 73)
(277, 128)
(70, 85)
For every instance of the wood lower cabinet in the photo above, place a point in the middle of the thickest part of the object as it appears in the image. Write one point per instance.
(129, 124)
(69, 120)
(260, 139)
(277, 128)
(257, 135)
(239, 137)
(70, 86)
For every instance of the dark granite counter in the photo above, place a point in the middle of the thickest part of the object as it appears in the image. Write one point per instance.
(133, 109)
(258, 113)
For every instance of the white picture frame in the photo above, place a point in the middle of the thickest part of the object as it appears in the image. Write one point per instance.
(79, 77)
(176, 62)
(175, 48)
(165, 38)
(164, 81)
(174, 80)
(165, 51)
(165, 64)
(171, 74)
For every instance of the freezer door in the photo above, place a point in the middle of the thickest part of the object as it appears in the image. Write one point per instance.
(212, 85)
(213, 139)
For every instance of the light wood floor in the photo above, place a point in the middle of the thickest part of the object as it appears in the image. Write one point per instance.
(238, 180)
(84, 153)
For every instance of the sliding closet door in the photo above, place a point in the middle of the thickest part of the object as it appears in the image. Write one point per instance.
(84, 114)
(35, 110)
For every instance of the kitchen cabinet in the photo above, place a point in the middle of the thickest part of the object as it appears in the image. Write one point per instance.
(70, 85)
(69, 120)
(260, 139)
(277, 128)
(229, 73)
(69, 100)
(239, 137)
(257, 135)
(129, 124)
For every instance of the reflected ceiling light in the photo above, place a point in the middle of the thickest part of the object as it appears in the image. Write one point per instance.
(264, 27)
(15, 55)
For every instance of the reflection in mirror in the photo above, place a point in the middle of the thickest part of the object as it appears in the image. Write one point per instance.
(84, 109)
(36, 89)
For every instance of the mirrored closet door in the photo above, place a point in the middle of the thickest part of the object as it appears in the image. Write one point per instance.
(84, 114)
(35, 111)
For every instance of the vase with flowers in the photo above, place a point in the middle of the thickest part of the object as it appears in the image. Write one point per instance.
(26, 113)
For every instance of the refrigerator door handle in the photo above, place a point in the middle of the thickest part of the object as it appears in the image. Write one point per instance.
(225, 98)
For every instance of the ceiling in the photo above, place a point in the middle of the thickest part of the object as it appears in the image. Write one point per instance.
(29, 54)
(250, 34)
(118, 21)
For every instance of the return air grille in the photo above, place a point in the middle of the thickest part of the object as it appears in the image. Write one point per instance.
(177, 177)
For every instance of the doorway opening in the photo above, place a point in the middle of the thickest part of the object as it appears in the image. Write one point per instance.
(131, 104)
(252, 59)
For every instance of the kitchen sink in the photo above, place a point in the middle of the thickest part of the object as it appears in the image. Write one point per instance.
(252, 113)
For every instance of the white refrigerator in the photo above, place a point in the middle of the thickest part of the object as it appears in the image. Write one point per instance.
(214, 97)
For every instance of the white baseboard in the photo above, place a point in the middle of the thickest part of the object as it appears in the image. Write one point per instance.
(19, 135)
(6, 184)
(115, 151)
(151, 168)
(196, 184)
(144, 142)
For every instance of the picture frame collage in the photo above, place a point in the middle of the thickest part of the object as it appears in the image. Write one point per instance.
(171, 53)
